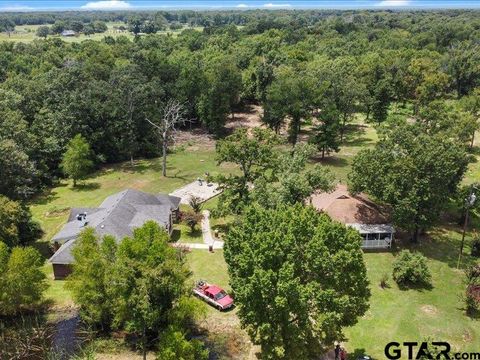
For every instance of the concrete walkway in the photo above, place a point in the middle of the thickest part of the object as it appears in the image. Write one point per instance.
(208, 238)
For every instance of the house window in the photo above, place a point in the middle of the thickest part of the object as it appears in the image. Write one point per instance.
(386, 236)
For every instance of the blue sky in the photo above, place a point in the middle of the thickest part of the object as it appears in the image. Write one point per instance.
(31, 5)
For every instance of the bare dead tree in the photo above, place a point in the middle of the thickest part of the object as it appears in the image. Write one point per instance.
(172, 115)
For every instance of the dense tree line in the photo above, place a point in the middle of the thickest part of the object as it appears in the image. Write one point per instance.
(304, 67)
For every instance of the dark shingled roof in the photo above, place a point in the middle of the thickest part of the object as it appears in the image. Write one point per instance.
(118, 215)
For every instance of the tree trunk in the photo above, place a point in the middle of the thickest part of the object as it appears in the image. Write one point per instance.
(342, 131)
(164, 160)
(415, 235)
(144, 344)
(131, 160)
(323, 152)
(74, 182)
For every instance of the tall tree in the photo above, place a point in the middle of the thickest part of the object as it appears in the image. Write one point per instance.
(291, 181)
(255, 156)
(220, 94)
(413, 171)
(76, 162)
(298, 278)
(21, 279)
(462, 62)
(291, 95)
(43, 31)
(327, 134)
(19, 176)
(150, 279)
(171, 117)
(90, 278)
(139, 286)
(16, 224)
(471, 104)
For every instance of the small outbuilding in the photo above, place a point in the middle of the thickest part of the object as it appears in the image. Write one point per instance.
(68, 33)
(118, 215)
(359, 212)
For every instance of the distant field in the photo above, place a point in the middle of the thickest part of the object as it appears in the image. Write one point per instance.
(27, 33)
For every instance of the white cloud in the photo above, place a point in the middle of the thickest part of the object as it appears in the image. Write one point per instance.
(16, 8)
(394, 3)
(107, 5)
(271, 5)
(242, 6)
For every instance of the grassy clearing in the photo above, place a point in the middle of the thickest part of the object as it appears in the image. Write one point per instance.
(52, 209)
(27, 33)
(412, 315)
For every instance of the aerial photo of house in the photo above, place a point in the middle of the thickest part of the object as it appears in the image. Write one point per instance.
(239, 179)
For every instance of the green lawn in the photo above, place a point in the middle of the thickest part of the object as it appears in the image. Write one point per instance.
(209, 266)
(183, 234)
(415, 314)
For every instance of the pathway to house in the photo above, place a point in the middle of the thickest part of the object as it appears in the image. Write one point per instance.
(208, 239)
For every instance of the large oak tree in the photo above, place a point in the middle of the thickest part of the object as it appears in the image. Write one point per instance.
(298, 279)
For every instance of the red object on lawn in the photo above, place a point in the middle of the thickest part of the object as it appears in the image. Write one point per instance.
(213, 295)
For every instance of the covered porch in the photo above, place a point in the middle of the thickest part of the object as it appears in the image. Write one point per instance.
(379, 236)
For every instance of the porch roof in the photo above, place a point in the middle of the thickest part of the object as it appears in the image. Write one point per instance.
(373, 228)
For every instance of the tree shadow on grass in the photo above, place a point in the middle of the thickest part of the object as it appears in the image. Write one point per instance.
(43, 248)
(46, 197)
(420, 287)
(359, 354)
(86, 186)
(440, 245)
(333, 161)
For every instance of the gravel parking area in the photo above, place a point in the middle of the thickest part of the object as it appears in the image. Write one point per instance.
(199, 189)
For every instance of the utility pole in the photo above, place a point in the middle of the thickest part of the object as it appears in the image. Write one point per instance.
(469, 202)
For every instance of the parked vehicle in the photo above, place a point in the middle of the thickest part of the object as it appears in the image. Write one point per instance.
(213, 295)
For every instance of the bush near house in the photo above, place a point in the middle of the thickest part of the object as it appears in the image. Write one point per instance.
(411, 269)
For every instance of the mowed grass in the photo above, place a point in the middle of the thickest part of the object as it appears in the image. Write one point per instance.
(414, 314)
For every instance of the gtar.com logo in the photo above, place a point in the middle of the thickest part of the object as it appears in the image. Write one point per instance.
(424, 350)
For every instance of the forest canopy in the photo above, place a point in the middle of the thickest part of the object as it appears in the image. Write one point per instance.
(334, 64)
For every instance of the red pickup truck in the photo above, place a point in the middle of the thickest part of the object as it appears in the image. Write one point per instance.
(213, 295)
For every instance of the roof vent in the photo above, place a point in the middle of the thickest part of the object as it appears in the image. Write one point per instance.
(82, 219)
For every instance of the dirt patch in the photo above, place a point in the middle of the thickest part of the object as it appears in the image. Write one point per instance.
(57, 212)
(195, 139)
(225, 338)
(429, 309)
(467, 337)
(250, 118)
(125, 355)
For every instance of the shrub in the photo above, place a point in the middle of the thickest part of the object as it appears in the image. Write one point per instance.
(174, 345)
(384, 281)
(195, 203)
(476, 246)
(191, 219)
(411, 269)
(472, 298)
